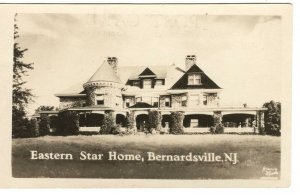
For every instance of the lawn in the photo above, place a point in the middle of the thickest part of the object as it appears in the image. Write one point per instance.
(254, 153)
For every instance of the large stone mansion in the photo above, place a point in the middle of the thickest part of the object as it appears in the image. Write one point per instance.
(139, 89)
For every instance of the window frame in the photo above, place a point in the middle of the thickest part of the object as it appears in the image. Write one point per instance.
(155, 102)
(150, 84)
(184, 101)
(99, 99)
(192, 78)
(169, 102)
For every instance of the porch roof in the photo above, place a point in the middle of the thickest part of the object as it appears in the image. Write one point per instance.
(95, 108)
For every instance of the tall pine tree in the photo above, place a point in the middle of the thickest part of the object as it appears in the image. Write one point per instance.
(21, 95)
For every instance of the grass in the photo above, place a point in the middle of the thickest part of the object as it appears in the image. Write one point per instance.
(254, 153)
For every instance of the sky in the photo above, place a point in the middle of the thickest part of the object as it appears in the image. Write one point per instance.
(242, 54)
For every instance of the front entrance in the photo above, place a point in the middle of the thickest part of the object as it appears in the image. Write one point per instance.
(142, 122)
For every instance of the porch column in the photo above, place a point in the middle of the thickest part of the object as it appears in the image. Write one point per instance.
(134, 119)
(114, 116)
(261, 123)
(218, 117)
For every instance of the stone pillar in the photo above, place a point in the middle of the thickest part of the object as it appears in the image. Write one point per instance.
(260, 124)
(218, 117)
(114, 116)
(218, 126)
(134, 120)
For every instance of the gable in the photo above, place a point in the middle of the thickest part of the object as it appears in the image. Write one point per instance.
(206, 82)
(147, 72)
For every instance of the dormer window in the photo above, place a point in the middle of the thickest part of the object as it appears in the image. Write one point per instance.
(194, 79)
(147, 83)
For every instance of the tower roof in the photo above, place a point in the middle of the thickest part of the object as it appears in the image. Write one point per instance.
(105, 73)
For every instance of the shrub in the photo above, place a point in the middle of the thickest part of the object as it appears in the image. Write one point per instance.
(272, 118)
(130, 131)
(212, 129)
(44, 125)
(34, 127)
(68, 123)
(108, 123)
(155, 120)
(21, 126)
(176, 124)
(218, 127)
(153, 131)
(116, 129)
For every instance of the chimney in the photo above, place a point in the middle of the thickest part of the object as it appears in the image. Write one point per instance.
(113, 61)
(190, 60)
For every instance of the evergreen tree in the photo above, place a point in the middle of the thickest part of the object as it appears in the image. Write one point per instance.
(21, 95)
(273, 118)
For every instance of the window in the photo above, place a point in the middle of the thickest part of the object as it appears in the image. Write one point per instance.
(205, 99)
(167, 102)
(138, 99)
(136, 83)
(159, 82)
(183, 101)
(127, 102)
(155, 101)
(147, 84)
(194, 79)
(99, 99)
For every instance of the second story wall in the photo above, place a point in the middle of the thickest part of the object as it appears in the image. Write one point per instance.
(71, 102)
(104, 96)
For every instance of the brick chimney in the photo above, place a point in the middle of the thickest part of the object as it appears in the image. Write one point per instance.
(190, 60)
(113, 61)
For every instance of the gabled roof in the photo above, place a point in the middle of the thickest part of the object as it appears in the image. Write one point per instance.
(147, 72)
(206, 82)
(133, 72)
(195, 69)
(105, 73)
(125, 73)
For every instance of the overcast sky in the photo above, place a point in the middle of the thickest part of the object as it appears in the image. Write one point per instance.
(242, 54)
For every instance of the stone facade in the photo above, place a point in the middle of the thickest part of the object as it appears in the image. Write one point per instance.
(107, 92)
(176, 101)
(71, 102)
(112, 97)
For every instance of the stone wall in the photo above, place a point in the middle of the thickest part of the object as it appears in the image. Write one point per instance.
(176, 101)
(71, 102)
(112, 96)
(213, 100)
